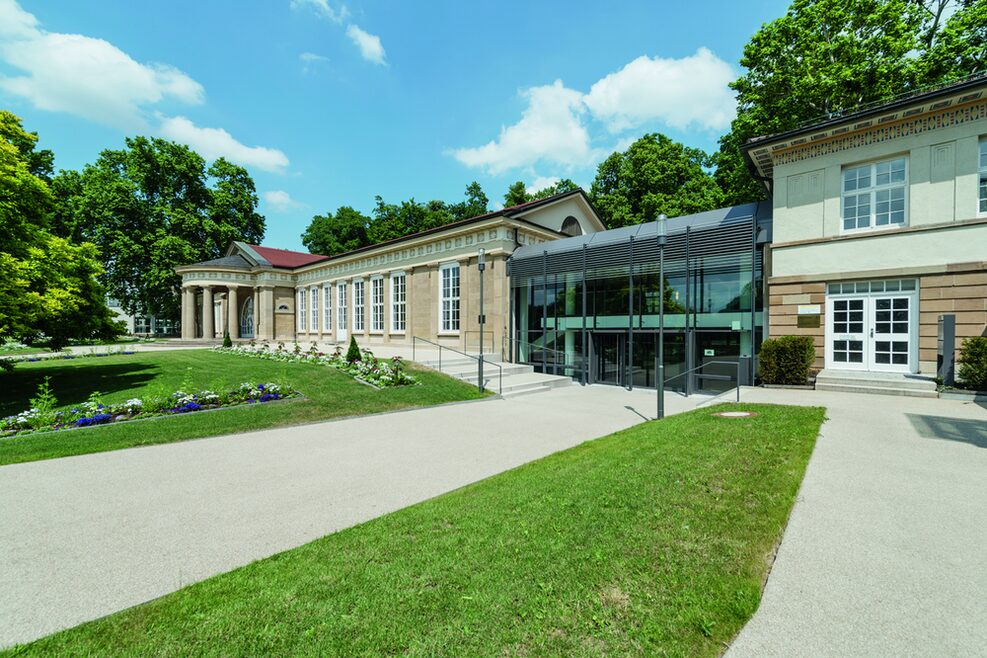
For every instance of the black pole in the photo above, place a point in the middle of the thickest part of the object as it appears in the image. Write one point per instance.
(544, 311)
(630, 320)
(480, 266)
(661, 319)
(689, 356)
(753, 297)
(585, 353)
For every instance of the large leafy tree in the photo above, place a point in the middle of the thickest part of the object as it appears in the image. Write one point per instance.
(654, 175)
(476, 203)
(518, 193)
(825, 57)
(48, 289)
(154, 205)
(331, 234)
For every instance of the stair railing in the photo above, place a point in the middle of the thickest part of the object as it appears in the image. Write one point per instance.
(479, 383)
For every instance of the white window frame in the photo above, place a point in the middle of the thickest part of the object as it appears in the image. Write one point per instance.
(871, 191)
(450, 325)
(377, 304)
(359, 306)
(399, 303)
(327, 307)
(341, 304)
(302, 318)
(982, 180)
(313, 315)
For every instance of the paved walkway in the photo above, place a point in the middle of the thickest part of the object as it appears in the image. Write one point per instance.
(82, 537)
(886, 550)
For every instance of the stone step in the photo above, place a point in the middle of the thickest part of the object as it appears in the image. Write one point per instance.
(516, 385)
(827, 379)
(880, 389)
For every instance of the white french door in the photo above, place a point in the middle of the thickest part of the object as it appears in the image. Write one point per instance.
(874, 328)
(341, 333)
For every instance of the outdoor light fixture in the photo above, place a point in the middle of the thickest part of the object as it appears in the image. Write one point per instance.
(660, 383)
(480, 266)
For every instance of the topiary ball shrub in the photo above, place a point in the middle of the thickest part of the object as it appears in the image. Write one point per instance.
(227, 341)
(973, 363)
(353, 353)
(786, 360)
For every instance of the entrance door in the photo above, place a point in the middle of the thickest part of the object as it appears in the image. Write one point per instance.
(341, 334)
(875, 331)
(247, 319)
(608, 358)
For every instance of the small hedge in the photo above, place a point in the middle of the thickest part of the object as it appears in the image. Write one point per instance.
(786, 360)
(973, 363)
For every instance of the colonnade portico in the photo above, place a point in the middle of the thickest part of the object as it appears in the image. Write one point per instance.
(209, 311)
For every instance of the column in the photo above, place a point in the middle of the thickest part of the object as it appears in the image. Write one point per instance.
(208, 324)
(188, 313)
(256, 297)
(233, 313)
(265, 295)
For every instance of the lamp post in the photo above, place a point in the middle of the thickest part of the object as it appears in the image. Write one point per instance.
(662, 239)
(480, 265)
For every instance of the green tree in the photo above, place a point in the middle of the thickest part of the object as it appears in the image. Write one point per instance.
(516, 195)
(476, 203)
(825, 57)
(563, 186)
(49, 290)
(149, 207)
(330, 234)
(654, 175)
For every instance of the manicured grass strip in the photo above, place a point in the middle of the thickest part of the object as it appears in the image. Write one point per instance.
(650, 542)
(328, 394)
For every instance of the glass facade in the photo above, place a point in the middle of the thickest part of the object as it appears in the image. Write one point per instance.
(588, 307)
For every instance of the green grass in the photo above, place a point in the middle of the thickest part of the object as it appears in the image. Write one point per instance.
(654, 541)
(328, 393)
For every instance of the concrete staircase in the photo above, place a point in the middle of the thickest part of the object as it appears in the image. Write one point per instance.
(518, 379)
(880, 383)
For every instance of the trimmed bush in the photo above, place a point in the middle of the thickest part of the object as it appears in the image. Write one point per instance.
(786, 360)
(973, 363)
(227, 342)
(353, 353)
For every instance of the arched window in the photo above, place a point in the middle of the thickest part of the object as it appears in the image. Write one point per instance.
(247, 318)
(571, 226)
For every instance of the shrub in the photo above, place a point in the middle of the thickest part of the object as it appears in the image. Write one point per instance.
(227, 342)
(786, 360)
(353, 353)
(973, 363)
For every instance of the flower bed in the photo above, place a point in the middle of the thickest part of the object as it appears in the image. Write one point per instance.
(61, 355)
(381, 373)
(94, 412)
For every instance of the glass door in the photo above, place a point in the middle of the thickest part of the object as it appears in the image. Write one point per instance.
(847, 332)
(890, 333)
(341, 333)
(609, 354)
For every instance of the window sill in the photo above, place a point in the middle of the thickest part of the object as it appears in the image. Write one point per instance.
(872, 229)
(448, 334)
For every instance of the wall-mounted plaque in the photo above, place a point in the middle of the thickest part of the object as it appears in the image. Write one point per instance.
(808, 321)
(809, 309)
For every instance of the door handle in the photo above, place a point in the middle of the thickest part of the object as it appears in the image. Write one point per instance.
(872, 332)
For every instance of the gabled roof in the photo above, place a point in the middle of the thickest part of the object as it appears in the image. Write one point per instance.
(235, 261)
(286, 258)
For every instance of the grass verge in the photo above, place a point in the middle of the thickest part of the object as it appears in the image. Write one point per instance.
(328, 394)
(653, 541)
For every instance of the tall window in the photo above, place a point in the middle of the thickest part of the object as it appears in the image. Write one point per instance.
(341, 305)
(314, 315)
(327, 307)
(399, 296)
(377, 304)
(301, 310)
(358, 313)
(983, 175)
(874, 195)
(449, 297)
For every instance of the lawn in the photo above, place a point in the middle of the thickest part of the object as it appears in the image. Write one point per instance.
(654, 541)
(328, 394)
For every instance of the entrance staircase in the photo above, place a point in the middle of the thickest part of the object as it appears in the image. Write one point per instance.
(518, 379)
(881, 383)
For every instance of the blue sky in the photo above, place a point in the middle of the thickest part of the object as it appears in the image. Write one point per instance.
(330, 104)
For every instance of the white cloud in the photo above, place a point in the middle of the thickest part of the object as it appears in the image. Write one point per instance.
(281, 201)
(550, 130)
(323, 9)
(84, 76)
(369, 45)
(692, 91)
(541, 182)
(310, 61)
(213, 143)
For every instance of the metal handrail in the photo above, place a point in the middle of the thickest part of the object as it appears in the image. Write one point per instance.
(414, 344)
(719, 377)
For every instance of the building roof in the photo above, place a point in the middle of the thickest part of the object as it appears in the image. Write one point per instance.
(236, 261)
(759, 151)
(286, 258)
(761, 211)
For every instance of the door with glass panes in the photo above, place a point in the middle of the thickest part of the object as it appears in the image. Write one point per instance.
(872, 325)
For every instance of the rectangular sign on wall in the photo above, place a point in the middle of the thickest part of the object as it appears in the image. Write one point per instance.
(809, 309)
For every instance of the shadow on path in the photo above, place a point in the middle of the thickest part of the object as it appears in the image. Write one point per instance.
(973, 432)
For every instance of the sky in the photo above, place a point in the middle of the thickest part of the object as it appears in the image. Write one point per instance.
(330, 104)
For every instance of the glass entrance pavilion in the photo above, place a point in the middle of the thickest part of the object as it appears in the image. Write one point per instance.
(587, 306)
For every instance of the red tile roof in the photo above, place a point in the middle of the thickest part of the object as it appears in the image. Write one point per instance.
(285, 258)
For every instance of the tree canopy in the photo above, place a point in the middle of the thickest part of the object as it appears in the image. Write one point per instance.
(49, 290)
(825, 57)
(654, 175)
(154, 205)
(518, 193)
